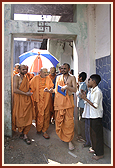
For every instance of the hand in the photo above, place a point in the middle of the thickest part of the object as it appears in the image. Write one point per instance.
(29, 93)
(82, 95)
(63, 88)
(46, 90)
(51, 90)
(77, 85)
(82, 91)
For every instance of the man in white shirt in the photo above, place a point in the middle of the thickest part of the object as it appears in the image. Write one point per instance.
(96, 114)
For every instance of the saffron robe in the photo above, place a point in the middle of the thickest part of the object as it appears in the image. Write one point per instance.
(52, 97)
(41, 99)
(22, 108)
(14, 72)
(29, 76)
(64, 113)
(52, 77)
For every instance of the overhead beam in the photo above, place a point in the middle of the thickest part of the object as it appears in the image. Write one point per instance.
(50, 29)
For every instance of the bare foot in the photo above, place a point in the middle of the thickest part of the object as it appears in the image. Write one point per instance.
(25, 136)
(26, 139)
(71, 147)
(97, 157)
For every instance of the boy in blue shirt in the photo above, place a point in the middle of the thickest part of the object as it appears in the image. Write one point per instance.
(80, 106)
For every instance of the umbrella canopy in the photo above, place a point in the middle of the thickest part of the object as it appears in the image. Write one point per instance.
(36, 59)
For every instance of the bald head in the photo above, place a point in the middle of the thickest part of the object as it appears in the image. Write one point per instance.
(52, 71)
(23, 69)
(43, 72)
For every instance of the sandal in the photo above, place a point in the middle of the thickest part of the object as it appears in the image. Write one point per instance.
(91, 150)
(81, 140)
(86, 145)
(21, 136)
(46, 136)
(39, 132)
(79, 137)
(27, 140)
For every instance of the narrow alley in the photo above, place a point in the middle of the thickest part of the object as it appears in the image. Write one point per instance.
(48, 151)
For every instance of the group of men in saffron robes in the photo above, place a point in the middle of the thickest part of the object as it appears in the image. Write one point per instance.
(32, 101)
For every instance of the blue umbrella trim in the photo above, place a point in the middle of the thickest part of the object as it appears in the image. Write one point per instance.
(51, 58)
(23, 57)
(48, 56)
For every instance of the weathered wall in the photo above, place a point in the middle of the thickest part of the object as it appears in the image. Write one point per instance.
(63, 10)
(102, 30)
(93, 34)
(62, 51)
(85, 42)
(7, 72)
(93, 44)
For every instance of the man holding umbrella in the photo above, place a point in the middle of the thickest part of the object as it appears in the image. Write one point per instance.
(41, 86)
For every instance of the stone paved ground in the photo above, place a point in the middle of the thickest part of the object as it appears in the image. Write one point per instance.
(51, 151)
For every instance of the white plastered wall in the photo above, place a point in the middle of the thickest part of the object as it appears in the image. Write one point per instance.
(102, 30)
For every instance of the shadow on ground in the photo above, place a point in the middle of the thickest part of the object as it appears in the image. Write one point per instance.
(48, 151)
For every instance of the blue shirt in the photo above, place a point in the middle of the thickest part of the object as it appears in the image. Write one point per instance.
(80, 101)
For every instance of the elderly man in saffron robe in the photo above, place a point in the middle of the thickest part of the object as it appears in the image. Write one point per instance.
(41, 86)
(23, 110)
(64, 105)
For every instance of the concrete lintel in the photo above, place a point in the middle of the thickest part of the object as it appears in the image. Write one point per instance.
(67, 38)
(43, 27)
